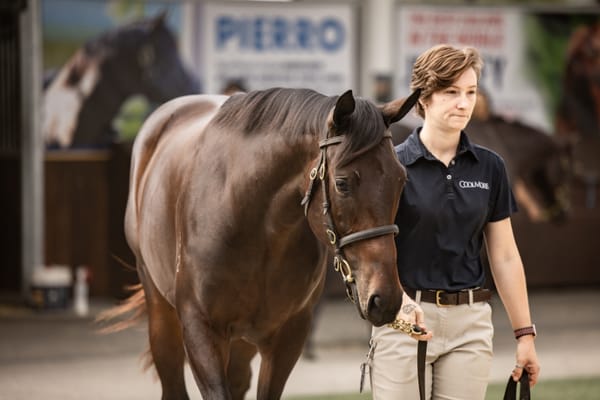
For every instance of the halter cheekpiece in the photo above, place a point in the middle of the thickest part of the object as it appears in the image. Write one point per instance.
(340, 264)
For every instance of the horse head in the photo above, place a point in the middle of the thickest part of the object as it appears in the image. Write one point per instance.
(578, 111)
(162, 75)
(361, 182)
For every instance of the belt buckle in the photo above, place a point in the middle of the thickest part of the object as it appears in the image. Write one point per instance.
(438, 294)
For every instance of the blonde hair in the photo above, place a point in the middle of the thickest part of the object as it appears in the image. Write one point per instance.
(439, 67)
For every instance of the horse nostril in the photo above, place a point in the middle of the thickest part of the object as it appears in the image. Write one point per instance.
(374, 303)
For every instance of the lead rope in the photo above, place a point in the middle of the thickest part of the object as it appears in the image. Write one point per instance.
(421, 357)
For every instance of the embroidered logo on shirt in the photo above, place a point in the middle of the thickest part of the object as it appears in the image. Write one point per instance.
(474, 185)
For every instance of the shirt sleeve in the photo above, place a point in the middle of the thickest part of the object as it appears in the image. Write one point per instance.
(503, 202)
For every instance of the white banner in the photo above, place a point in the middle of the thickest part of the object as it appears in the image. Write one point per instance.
(290, 45)
(496, 32)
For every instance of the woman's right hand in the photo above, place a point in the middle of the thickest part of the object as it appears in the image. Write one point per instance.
(413, 313)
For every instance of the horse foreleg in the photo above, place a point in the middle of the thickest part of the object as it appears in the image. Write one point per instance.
(280, 353)
(166, 343)
(239, 371)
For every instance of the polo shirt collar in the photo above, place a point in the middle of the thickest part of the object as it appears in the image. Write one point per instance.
(416, 149)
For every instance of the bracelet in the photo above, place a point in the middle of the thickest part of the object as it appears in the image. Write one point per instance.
(528, 330)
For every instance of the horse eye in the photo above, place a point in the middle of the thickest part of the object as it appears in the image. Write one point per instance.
(342, 186)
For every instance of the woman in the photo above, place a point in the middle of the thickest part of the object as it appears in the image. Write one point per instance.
(457, 195)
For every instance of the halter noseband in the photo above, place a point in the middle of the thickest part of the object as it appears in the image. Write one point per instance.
(340, 263)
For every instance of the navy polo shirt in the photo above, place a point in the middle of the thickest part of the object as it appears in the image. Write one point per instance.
(443, 211)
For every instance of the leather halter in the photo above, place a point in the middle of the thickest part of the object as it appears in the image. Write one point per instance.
(340, 263)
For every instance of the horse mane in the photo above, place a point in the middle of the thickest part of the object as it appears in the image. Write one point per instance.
(298, 112)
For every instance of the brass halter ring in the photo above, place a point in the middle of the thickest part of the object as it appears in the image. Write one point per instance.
(341, 265)
(332, 236)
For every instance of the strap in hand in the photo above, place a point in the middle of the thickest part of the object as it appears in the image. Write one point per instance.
(421, 356)
(511, 388)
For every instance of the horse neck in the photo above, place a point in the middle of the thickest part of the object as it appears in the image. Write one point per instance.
(98, 111)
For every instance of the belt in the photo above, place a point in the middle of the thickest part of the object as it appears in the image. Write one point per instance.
(441, 298)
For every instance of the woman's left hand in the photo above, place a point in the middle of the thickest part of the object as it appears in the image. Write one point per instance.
(526, 359)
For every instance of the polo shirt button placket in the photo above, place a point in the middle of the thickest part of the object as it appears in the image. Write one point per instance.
(449, 186)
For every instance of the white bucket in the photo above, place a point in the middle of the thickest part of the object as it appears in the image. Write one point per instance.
(51, 287)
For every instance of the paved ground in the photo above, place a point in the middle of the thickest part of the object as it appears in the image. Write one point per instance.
(59, 356)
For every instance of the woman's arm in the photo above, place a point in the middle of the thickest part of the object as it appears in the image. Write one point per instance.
(509, 277)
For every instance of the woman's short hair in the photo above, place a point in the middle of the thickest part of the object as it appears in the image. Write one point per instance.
(439, 67)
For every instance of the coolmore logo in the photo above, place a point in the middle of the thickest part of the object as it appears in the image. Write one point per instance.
(474, 185)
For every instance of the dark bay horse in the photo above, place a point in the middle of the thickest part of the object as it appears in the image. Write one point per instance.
(538, 165)
(234, 206)
(82, 99)
(578, 111)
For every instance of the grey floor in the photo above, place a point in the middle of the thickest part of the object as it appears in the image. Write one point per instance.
(60, 356)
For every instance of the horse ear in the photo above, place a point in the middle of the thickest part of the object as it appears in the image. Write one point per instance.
(396, 109)
(160, 19)
(344, 107)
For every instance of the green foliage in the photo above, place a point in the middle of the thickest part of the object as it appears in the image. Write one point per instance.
(545, 55)
(123, 10)
(578, 388)
(56, 53)
(130, 118)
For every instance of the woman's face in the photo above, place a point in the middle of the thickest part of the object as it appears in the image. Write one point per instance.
(451, 108)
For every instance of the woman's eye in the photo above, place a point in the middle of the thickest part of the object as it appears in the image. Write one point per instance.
(341, 185)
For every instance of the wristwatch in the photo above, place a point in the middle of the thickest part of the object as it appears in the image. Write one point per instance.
(528, 330)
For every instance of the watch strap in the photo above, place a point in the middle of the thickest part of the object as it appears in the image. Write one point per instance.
(528, 330)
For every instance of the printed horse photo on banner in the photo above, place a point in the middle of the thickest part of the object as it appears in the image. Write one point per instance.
(235, 204)
(83, 98)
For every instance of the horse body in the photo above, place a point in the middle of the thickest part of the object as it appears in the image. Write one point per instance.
(229, 262)
(538, 165)
(578, 110)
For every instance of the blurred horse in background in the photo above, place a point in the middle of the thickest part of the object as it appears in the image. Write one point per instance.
(538, 165)
(578, 113)
(82, 99)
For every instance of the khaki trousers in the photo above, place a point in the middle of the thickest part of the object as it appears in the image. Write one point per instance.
(458, 362)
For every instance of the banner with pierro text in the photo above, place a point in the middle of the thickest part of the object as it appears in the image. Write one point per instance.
(267, 45)
(498, 33)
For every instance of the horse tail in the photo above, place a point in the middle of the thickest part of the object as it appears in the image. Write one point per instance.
(128, 313)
